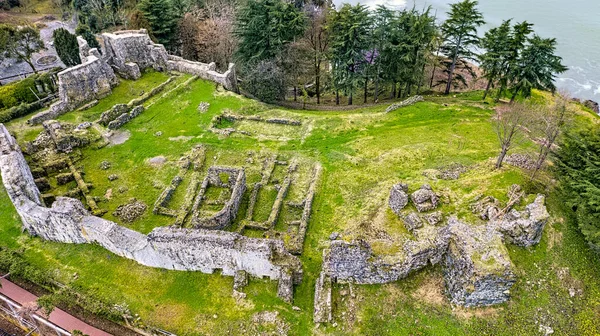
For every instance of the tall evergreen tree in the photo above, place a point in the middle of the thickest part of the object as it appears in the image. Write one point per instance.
(66, 47)
(578, 166)
(160, 16)
(538, 67)
(496, 43)
(460, 34)
(349, 30)
(520, 34)
(265, 28)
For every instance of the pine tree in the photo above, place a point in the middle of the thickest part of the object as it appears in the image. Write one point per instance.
(496, 42)
(349, 31)
(265, 28)
(578, 166)
(460, 35)
(538, 67)
(160, 16)
(66, 47)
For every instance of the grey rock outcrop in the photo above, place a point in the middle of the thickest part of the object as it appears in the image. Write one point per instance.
(524, 228)
(398, 197)
(410, 101)
(477, 267)
(425, 199)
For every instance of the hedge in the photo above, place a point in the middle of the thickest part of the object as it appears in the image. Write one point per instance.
(20, 92)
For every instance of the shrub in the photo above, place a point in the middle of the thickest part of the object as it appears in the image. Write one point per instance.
(66, 46)
(265, 81)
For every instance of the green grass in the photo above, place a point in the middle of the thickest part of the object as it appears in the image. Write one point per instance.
(363, 153)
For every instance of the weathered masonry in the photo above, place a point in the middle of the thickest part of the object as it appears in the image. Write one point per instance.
(68, 221)
(126, 53)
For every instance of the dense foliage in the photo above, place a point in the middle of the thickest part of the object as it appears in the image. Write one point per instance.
(84, 31)
(578, 165)
(265, 28)
(161, 18)
(265, 81)
(66, 47)
(22, 91)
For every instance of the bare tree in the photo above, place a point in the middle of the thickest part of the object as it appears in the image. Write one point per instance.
(549, 123)
(318, 41)
(510, 126)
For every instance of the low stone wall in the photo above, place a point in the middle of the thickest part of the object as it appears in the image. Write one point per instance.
(68, 221)
(205, 71)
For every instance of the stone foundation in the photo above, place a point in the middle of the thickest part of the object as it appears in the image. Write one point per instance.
(67, 221)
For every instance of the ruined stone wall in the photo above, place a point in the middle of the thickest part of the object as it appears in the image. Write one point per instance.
(205, 71)
(132, 51)
(202, 250)
(80, 84)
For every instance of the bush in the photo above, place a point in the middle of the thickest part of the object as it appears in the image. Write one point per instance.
(578, 167)
(13, 263)
(20, 92)
(84, 31)
(66, 47)
(265, 81)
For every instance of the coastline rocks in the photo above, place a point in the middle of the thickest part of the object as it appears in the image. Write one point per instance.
(592, 105)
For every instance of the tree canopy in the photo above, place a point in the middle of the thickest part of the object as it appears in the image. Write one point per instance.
(66, 47)
(20, 43)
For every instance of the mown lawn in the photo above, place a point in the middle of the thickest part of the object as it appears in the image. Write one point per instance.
(363, 153)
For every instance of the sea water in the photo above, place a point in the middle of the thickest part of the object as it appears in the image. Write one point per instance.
(575, 24)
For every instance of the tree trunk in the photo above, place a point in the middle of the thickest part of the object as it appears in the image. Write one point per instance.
(487, 89)
(366, 88)
(337, 97)
(350, 98)
(295, 93)
(31, 65)
(501, 92)
(501, 157)
(393, 91)
(514, 96)
(318, 81)
(432, 77)
(453, 66)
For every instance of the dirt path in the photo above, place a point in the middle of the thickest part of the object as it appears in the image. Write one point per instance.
(58, 316)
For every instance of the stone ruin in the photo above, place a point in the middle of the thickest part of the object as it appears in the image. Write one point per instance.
(126, 53)
(236, 184)
(68, 221)
(476, 265)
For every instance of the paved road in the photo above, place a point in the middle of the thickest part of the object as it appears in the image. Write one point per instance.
(58, 316)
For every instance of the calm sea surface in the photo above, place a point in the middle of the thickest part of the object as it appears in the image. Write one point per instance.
(574, 23)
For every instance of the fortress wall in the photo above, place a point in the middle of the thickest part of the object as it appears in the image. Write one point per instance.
(202, 250)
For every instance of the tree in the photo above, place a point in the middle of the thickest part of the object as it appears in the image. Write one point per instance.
(265, 81)
(160, 17)
(188, 36)
(496, 43)
(460, 35)
(265, 28)
(538, 67)
(84, 31)
(349, 30)
(66, 47)
(20, 43)
(548, 124)
(578, 167)
(520, 33)
(509, 125)
(317, 38)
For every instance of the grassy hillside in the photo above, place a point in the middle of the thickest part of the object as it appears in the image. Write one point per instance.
(363, 153)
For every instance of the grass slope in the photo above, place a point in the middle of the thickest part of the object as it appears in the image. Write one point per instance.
(363, 152)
